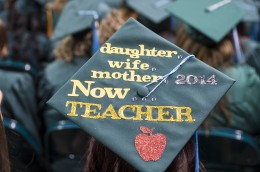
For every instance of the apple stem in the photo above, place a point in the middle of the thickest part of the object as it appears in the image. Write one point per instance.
(151, 131)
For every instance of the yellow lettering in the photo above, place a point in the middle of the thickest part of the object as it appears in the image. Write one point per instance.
(161, 53)
(148, 113)
(169, 53)
(100, 74)
(73, 107)
(123, 108)
(144, 66)
(117, 92)
(89, 111)
(106, 49)
(79, 85)
(146, 78)
(137, 112)
(162, 114)
(110, 111)
(187, 113)
(98, 92)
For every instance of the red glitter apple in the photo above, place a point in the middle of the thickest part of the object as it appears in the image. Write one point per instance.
(150, 147)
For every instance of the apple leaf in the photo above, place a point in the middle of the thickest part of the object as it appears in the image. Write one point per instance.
(146, 130)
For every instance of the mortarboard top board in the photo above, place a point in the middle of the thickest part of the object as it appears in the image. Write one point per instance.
(212, 18)
(116, 98)
(77, 15)
(154, 10)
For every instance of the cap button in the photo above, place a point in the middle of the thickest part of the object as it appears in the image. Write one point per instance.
(143, 91)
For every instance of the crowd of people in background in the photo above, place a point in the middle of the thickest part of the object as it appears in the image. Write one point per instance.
(26, 31)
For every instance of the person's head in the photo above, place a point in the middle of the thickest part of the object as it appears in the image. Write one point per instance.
(111, 162)
(210, 39)
(3, 40)
(75, 31)
(110, 24)
(76, 45)
(134, 98)
(216, 55)
(4, 156)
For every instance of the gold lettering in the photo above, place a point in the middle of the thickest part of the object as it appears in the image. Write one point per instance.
(144, 66)
(78, 84)
(117, 92)
(139, 112)
(146, 78)
(148, 113)
(123, 108)
(100, 74)
(98, 92)
(88, 111)
(73, 107)
(161, 53)
(106, 49)
(162, 114)
(110, 111)
(169, 53)
(187, 113)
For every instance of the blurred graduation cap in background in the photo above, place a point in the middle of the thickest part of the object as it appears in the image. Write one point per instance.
(153, 10)
(113, 3)
(141, 96)
(77, 16)
(209, 21)
(250, 6)
(152, 13)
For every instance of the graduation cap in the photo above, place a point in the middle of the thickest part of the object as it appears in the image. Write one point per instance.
(78, 15)
(141, 96)
(114, 3)
(251, 9)
(212, 18)
(153, 10)
(209, 21)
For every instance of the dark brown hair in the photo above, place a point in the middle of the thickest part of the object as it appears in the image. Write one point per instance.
(4, 156)
(100, 158)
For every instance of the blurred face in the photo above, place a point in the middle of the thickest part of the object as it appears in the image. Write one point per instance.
(3, 40)
(4, 51)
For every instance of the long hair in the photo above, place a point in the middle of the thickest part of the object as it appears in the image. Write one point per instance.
(4, 156)
(217, 56)
(3, 37)
(113, 21)
(79, 44)
(109, 25)
(99, 158)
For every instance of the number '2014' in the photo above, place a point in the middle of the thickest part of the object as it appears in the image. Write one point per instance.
(191, 80)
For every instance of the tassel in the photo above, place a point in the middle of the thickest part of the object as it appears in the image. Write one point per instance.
(239, 56)
(95, 39)
(197, 161)
(49, 23)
